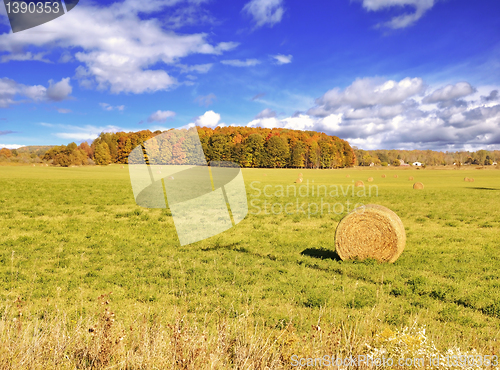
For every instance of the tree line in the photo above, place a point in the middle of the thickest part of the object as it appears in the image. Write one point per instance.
(427, 157)
(249, 147)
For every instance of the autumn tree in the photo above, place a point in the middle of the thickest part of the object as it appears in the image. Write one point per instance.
(5, 152)
(102, 155)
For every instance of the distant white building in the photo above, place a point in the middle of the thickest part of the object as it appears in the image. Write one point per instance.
(417, 164)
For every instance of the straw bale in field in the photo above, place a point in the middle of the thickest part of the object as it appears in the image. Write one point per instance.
(395, 176)
(410, 178)
(359, 184)
(299, 180)
(347, 175)
(370, 179)
(418, 185)
(383, 176)
(370, 231)
(466, 179)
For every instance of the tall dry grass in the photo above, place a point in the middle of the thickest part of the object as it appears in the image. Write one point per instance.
(103, 341)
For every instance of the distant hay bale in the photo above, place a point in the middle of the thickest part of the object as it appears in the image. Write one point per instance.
(370, 179)
(348, 176)
(418, 185)
(471, 179)
(300, 174)
(395, 176)
(466, 179)
(359, 184)
(370, 231)
(383, 176)
(410, 178)
(299, 180)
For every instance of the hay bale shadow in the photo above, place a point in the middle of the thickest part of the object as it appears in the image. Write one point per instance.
(321, 253)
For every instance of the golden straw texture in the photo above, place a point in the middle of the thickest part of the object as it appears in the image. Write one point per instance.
(370, 231)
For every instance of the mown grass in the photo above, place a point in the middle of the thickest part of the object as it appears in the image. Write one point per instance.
(69, 235)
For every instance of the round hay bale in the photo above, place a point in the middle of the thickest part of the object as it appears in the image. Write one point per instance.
(466, 179)
(418, 185)
(300, 174)
(359, 184)
(383, 176)
(395, 176)
(299, 180)
(370, 179)
(370, 231)
(410, 178)
(471, 179)
(347, 175)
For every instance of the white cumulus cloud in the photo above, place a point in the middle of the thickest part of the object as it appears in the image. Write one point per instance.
(9, 89)
(266, 113)
(265, 12)
(282, 59)
(208, 119)
(78, 133)
(373, 113)
(403, 20)
(366, 92)
(450, 92)
(115, 45)
(60, 90)
(161, 116)
(109, 107)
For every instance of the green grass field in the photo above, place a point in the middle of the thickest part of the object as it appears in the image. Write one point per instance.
(68, 235)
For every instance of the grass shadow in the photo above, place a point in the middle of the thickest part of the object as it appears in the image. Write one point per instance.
(219, 246)
(321, 253)
(478, 188)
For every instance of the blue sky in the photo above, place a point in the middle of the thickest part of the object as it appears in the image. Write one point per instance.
(402, 74)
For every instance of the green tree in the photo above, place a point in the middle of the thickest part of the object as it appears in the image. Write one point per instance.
(313, 155)
(298, 156)
(102, 155)
(277, 152)
(253, 153)
(219, 148)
